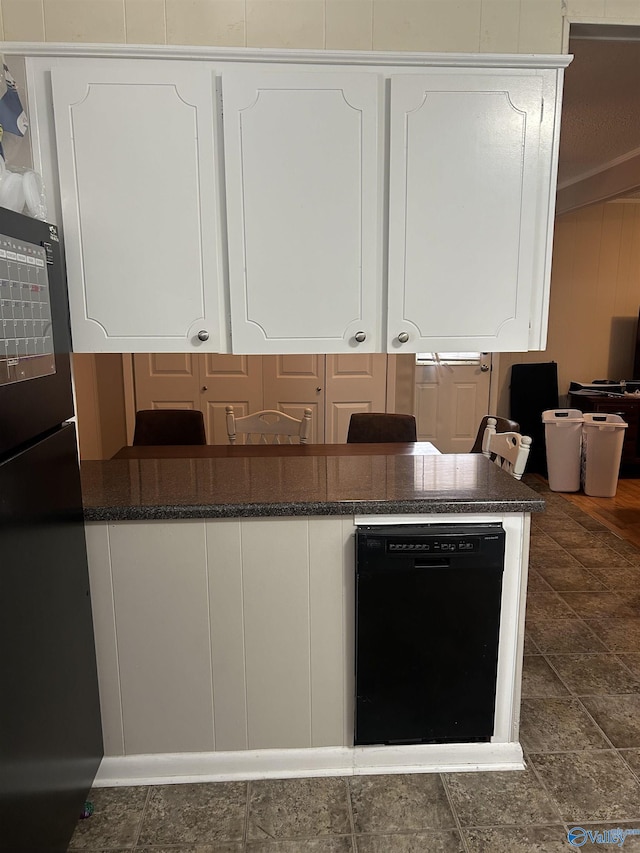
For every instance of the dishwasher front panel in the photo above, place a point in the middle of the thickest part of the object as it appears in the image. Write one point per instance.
(427, 625)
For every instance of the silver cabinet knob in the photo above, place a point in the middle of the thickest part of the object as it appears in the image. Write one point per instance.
(403, 337)
(203, 335)
(484, 368)
(360, 336)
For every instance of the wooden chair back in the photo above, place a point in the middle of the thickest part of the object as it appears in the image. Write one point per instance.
(169, 427)
(269, 426)
(502, 425)
(375, 427)
(509, 450)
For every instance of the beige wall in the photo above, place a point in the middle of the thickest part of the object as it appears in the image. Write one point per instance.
(503, 26)
(595, 296)
(99, 392)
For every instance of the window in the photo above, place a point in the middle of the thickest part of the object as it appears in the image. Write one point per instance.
(449, 357)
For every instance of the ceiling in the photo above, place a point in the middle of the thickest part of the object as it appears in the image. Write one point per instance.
(601, 105)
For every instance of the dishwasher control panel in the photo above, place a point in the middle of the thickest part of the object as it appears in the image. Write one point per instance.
(434, 546)
(396, 543)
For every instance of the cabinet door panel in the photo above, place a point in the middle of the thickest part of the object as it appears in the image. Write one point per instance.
(463, 210)
(303, 202)
(136, 157)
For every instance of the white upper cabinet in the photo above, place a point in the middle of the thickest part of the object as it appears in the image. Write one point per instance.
(468, 210)
(304, 175)
(137, 164)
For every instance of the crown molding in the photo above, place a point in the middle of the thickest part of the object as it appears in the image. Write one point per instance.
(315, 57)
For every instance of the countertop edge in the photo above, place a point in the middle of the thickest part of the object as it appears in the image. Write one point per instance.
(274, 510)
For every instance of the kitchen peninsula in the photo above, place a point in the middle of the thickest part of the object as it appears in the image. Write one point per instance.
(223, 599)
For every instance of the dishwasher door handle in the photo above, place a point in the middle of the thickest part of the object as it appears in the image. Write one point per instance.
(436, 564)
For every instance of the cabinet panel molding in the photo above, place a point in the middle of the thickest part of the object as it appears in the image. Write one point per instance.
(136, 156)
(463, 210)
(303, 181)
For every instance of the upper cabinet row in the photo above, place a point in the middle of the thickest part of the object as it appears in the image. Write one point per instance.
(275, 209)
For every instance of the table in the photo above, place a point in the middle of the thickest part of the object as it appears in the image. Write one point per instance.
(230, 451)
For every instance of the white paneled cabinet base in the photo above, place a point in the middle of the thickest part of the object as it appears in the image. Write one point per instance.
(291, 202)
(225, 649)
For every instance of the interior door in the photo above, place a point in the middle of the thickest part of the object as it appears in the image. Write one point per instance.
(354, 383)
(207, 382)
(451, 399)
(293, 383)
(225, 380)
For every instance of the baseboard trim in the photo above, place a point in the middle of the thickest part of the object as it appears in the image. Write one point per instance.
(177, 768)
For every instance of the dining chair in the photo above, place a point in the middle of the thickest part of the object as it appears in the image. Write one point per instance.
(509, 450)
(374, 427)
(268, 423)
(169, 426)
(502, 425)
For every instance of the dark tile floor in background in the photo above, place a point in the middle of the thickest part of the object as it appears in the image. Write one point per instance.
(580, 732)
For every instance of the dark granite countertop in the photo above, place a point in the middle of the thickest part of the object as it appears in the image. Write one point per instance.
(135, 489)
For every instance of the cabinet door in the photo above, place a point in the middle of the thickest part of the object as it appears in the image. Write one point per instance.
(138, 185)
(303, 183)
(463, 218)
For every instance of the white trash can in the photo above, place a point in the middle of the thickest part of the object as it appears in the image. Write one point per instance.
(563, 437)
(602, 439)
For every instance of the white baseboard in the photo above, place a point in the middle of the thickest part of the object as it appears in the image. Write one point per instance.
(184, 767)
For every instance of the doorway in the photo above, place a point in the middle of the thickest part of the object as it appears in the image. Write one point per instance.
(453, 394)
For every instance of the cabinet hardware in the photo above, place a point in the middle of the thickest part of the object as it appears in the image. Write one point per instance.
(203, 335)
(360, 336)
(403, 337)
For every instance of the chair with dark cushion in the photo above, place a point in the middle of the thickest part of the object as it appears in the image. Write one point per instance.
(502, 425)
(375, 427)
(169, 426)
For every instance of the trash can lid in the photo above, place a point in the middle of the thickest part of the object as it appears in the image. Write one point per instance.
(560, 416)
(601, 420)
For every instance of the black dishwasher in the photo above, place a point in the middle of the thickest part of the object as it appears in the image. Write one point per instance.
(427, 624)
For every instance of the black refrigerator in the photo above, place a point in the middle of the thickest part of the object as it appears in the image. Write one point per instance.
(50, 731)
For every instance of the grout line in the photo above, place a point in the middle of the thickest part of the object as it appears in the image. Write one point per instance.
(454, 812)
(142, 816)
(352, 823)
(245, 828)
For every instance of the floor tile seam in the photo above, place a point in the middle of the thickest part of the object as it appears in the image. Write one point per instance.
(275, 839)
(532, 753)
(567, 824)
(634, 773)
(589, 654)
(554, 670)
(529, 764)
(590, 592)
(245, 825)
(447, 792)
(519, 825)
(352, 823)
(142, 816)
(586, 711)
(604, 642)
(625, 665)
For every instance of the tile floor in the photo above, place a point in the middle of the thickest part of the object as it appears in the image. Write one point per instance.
(580, 732)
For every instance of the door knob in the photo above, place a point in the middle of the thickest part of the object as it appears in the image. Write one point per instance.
(204, 388)
(360, 336)
(203, 335)
(484, 368)
(403, 337)
(318, 389)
